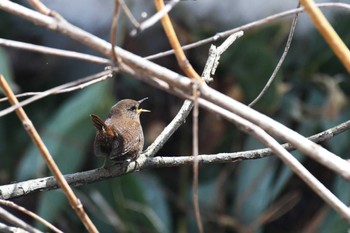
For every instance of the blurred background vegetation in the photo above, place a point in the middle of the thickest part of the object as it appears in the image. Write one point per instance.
(309, 95)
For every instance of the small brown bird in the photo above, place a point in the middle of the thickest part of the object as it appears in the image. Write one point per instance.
(120, 137)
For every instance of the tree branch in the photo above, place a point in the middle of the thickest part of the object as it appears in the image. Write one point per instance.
(53, 51)
(328, 32)
(280, 62)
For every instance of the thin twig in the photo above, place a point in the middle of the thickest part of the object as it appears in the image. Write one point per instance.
(280, 62)
(247, 27)
(40, 7)
(107, 212)
(328, 32)
(129, 14)
(37, 4)
(154, 18)
(113, 37)
(214, 56)
(277, 209)
(195, 161)
(30, 213)
(53, 51)
(184, 64)
(29, 127)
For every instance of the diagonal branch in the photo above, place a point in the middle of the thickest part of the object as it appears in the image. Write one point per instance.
(53, 51)
(280, 62)
(185, 65)
(328, 32)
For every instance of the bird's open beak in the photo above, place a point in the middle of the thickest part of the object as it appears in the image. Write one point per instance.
(139, 110)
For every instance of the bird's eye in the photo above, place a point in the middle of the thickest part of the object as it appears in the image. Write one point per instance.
(133, 108)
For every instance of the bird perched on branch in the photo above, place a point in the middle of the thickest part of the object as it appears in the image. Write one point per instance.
(120, 137)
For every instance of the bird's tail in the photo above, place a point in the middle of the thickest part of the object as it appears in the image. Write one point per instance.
(101, 126)
(98, 123)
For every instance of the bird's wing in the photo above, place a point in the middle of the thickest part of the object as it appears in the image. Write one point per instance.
(130, 138)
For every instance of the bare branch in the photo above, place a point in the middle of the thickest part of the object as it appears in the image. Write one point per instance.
(195, 161)
(53, 51)
(129, 14)
(39, 6)
(329, 34)
(280, 62)
(113, 36)
(181, 58)
(214, 56)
